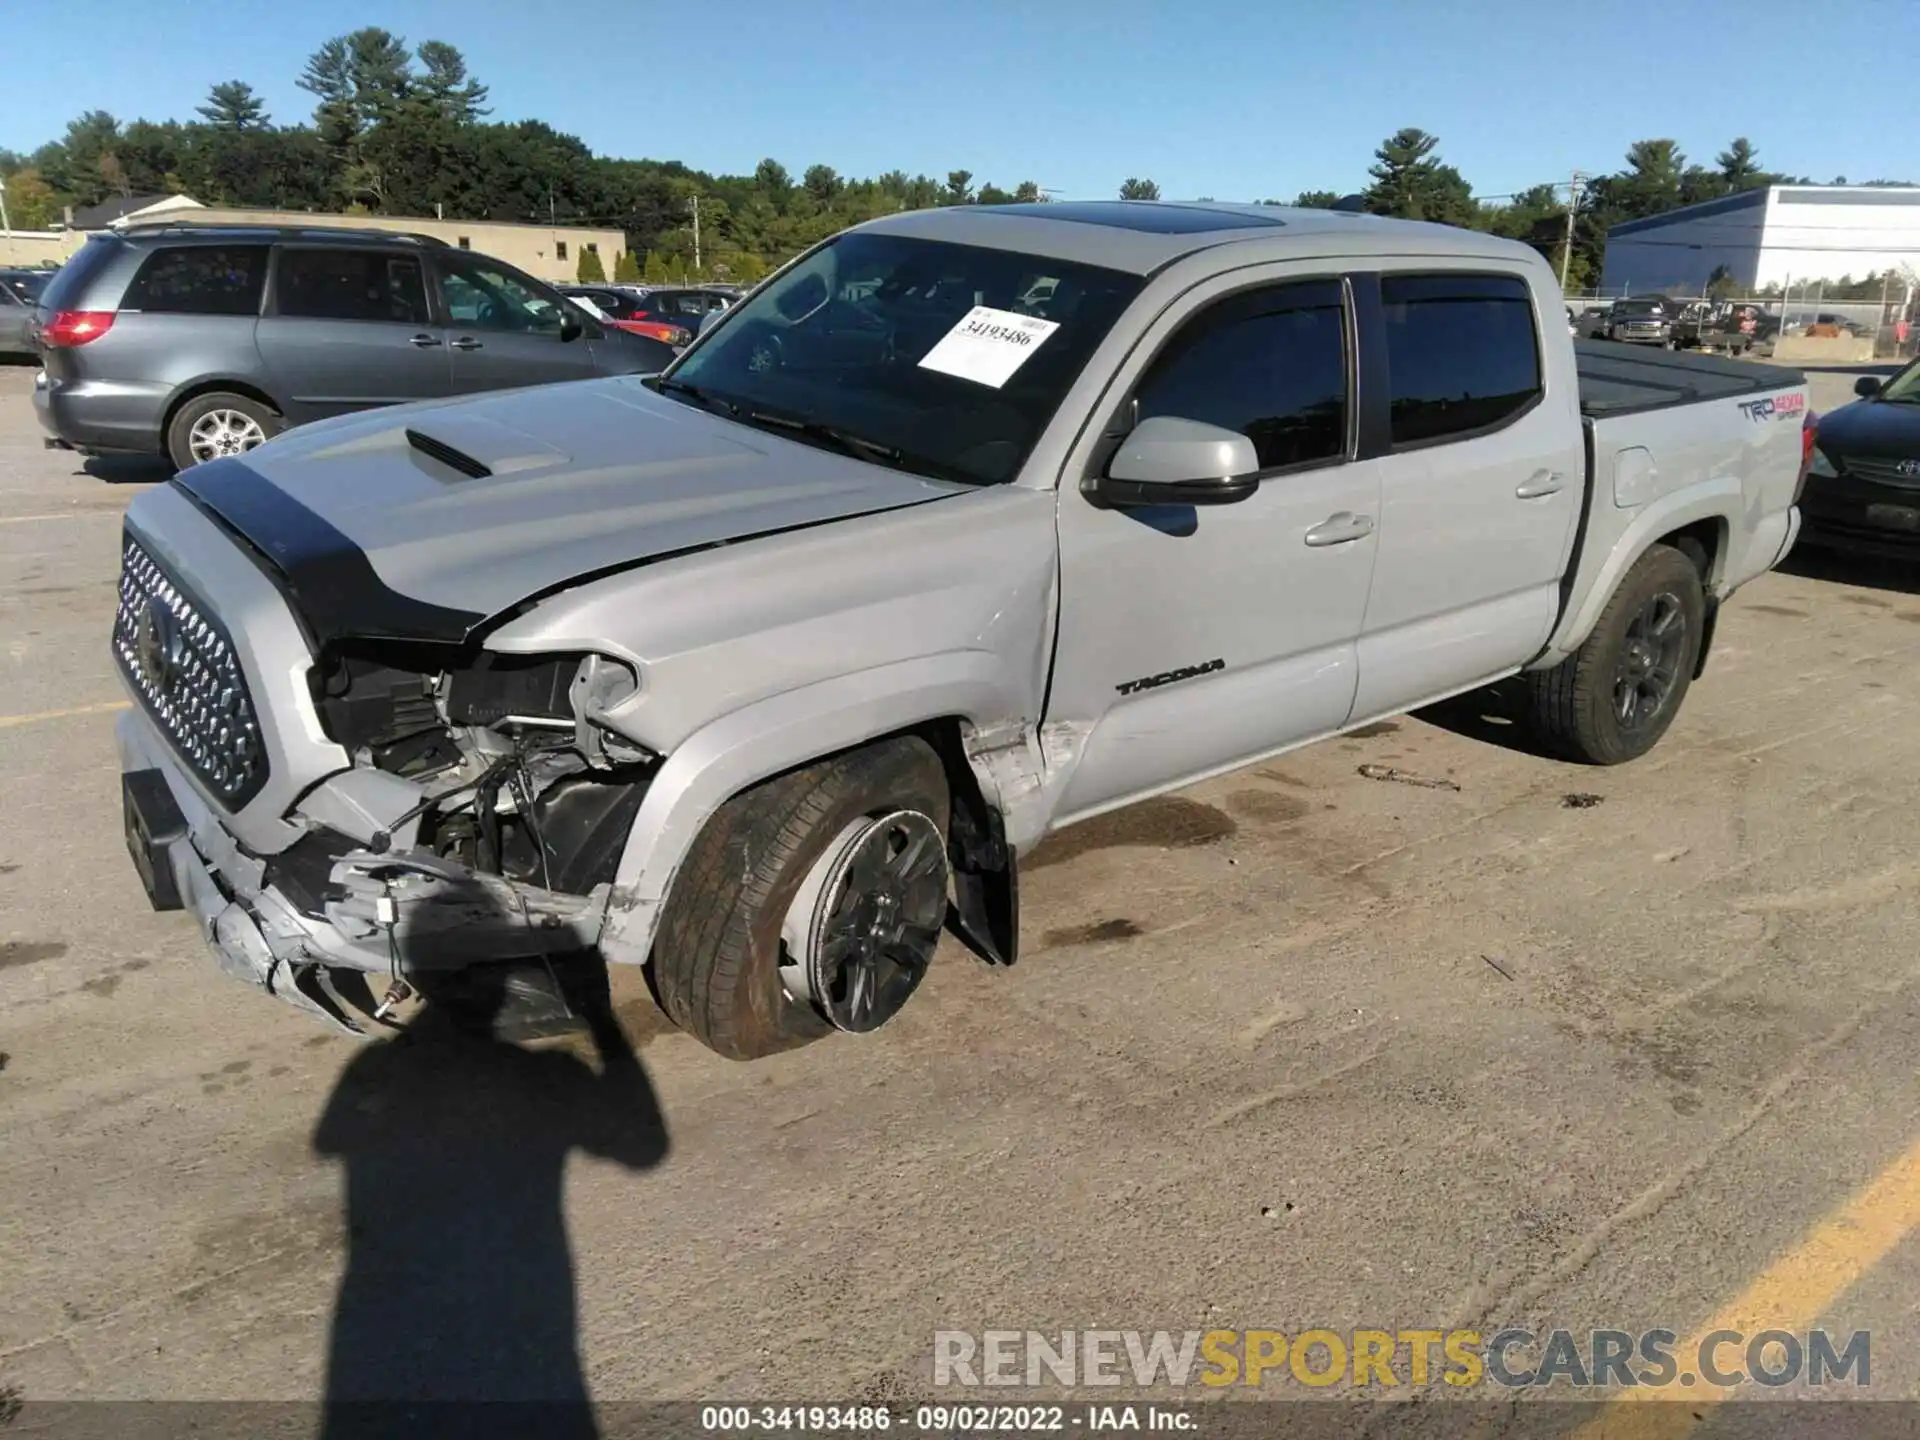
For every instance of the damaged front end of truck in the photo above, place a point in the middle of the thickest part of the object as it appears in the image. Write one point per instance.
(481, 818)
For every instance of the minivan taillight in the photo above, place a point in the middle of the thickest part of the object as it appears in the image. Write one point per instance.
(67, 328)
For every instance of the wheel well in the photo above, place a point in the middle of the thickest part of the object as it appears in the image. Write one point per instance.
(212, 387)
(986, 885)
(1701, 542)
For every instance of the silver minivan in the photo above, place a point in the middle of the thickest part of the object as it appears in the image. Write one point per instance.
(196, 342)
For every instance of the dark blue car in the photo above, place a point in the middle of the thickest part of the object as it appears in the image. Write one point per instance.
(1863, 490)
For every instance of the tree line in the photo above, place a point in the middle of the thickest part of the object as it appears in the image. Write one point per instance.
(400, 130)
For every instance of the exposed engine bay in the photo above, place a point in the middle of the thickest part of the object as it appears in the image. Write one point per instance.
(518, 777)
(483, 821)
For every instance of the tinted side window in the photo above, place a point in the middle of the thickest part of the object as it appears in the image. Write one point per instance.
(1461, 353)
(351, 285)
(200, 280)
(1271, 365)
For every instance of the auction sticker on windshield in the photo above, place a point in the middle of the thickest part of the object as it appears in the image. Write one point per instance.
(988, 345)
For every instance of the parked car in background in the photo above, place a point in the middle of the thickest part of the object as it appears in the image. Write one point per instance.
(1863, 488)
(767, 670)
(684, 305)
(1704, 325)
(623, 310)
(1641, 321)
(19, 290)
(197, 342)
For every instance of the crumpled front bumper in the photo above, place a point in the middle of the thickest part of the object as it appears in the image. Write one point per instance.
(318, 932)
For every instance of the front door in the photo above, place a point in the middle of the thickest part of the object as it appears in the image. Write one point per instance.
(505, 330)
(1193, 639)
(1481, 488)
(348, 330)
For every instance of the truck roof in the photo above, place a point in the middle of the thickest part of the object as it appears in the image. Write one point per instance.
(1143, 236)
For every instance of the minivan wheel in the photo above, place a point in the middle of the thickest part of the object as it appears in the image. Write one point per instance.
(808, 904)
(217, 425)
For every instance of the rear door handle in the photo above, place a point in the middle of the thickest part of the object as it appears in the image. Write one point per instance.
(1541, 482)
(1341, 528)
(424, 342)
(466, 342)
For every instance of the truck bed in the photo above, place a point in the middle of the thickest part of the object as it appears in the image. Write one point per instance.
(1620, 380)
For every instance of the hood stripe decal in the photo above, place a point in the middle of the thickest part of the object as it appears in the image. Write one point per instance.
(327, 578)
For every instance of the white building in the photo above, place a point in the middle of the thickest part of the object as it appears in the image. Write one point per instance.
(1774, 236)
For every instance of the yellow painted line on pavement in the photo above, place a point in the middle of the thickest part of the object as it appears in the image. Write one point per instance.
(1790, 1294)
(7, 722)
(60, 515)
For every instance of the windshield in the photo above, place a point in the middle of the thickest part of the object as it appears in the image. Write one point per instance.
(1639, 308)
(1904, 387)
(944, 359)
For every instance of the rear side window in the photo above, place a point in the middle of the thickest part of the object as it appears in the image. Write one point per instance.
(1462, 354)
(200, 280)
(1272, 365)
(351, 285)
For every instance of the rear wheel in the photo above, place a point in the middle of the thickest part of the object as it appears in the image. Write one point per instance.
(808, 904)
(217, 425)
(1613, 698)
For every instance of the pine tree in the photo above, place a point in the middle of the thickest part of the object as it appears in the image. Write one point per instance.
(626, 269)
(1409, 182)
(590, 271)
(1136, 189)
(677, 271)
(655, 270)
(232, 105)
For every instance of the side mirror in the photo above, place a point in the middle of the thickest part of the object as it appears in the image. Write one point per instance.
(572, 323)
(1170, 461)
(708, 321)
(1867, 386)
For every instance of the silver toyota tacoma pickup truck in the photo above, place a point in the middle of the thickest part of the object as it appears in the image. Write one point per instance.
(966, 526)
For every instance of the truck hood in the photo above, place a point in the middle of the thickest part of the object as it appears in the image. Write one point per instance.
(1872, 427)
(424, 521)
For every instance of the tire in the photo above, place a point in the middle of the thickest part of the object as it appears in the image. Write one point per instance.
(1576, 706)
(716, 957)
(250, 424)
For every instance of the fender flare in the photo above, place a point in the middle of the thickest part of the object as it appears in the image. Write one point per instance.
(1722, 500)
(746, 746)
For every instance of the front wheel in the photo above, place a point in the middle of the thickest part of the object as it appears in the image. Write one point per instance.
(808, 904)
(1614, 697)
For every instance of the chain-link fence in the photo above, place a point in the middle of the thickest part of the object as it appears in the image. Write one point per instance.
(1891, 326)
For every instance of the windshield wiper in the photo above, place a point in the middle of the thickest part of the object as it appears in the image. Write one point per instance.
(668, 385)
(845, 441)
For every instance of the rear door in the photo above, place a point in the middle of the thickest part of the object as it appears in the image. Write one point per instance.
(1480, 487)
(348, 329)
(505, 329)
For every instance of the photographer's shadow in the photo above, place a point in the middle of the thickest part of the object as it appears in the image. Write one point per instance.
(457, 1311)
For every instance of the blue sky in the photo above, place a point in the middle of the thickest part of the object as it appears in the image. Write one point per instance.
(1237, 101)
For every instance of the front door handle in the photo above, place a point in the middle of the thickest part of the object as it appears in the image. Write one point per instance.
(1341, 528)
(1541, 482)
(424, 342)
(466, 342)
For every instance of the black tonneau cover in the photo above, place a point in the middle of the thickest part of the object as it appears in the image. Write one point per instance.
(1620, 379)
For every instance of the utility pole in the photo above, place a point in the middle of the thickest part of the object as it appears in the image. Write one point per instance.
(696, 234)
(1566, 246)
(6, 225)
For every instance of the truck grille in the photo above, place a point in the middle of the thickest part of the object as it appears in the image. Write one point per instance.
(185, 671)
(1881, 472)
